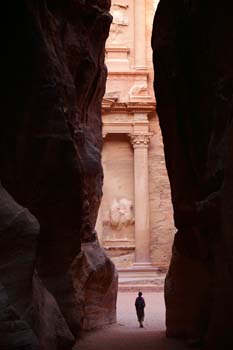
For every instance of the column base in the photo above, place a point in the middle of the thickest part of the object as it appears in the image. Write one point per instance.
(141, 272)
(142, 266)
(140, 67)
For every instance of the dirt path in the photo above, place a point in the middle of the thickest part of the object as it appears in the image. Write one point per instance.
(126, 334)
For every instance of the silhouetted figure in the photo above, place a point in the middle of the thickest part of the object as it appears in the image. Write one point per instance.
(140, 306)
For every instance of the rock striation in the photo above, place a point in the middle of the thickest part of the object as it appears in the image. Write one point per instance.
(53, 75)
(193, 86)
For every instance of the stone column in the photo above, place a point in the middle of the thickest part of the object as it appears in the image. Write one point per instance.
(140, 34)
(140, 144)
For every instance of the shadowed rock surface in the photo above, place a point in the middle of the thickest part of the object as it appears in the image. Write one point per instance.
(53, 75)
(95, 276)
(192, 43)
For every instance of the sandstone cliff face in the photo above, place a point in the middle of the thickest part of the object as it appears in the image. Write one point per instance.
(192, 43)
(53, 75)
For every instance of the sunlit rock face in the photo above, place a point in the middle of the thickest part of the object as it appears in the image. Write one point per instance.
(53, 75)
(193, 86)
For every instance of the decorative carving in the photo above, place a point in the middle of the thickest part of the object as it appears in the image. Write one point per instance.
(121, 213)
(112, 95)
(140, 139)
(140, 117)
(120, 20)
(138, 90)
(121, 4)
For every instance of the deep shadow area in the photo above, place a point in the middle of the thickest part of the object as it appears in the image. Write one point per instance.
(193, 55)
(53, 79)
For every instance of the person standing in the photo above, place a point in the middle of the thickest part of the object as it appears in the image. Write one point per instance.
(140, 306)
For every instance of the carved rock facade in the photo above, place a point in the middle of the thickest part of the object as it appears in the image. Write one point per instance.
(133, 143)
(193, 85)
(50, 164)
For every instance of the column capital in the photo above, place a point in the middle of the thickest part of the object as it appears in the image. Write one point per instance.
(140, 139)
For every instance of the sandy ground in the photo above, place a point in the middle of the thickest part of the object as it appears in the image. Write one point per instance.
(126, 334)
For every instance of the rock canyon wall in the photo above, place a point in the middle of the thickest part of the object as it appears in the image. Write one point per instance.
(192, 43)
(53, 79)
